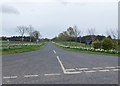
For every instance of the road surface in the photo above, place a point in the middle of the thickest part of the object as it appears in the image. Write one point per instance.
(52, 65)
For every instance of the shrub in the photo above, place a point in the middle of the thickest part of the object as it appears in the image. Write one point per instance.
(96, 44)
(115, 45)
(107, 44)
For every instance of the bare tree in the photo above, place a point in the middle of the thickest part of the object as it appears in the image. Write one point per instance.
(91, 32)
(70, 32)
(73, 32)
(36, 34)
(22, 30)
(112, 33)
(30, 30)
(76, 32)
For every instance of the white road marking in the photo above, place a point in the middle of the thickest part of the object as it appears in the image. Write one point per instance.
(64, 71)
(26, 76)
(104, 70)
(81, 68)
(70, 69)
(115, 69)
(52, 74)
(54, 51)
(110, 67)
(91, 71)
(73, 72)
(97, 68)
(10, 77)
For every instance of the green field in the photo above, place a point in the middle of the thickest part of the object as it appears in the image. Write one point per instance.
(72, 44)
(15, 47)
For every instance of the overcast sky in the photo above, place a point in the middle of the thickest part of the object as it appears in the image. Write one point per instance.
(51, 17)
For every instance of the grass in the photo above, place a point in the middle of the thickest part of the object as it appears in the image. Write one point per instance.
(14, 42)
(73, 44)
(86, 51)
(22, 49)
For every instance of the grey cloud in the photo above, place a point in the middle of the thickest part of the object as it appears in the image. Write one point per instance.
(9, 10)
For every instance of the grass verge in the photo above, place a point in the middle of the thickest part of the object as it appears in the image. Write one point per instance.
(86, 51)
(22, 49)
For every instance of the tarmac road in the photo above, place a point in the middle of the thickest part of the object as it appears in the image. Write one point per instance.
(52, 65)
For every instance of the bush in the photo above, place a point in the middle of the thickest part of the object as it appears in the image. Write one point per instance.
(96, 44)
(107, 44)
(115, 45)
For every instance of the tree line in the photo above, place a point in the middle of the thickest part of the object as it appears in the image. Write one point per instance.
(34, 35)
(72, 34)
(26, 33)
(18, 38)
